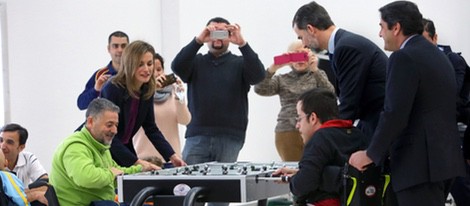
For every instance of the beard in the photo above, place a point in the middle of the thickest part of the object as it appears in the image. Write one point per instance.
(314, 47)
(217, 46)
(105, 140)
(313, 44)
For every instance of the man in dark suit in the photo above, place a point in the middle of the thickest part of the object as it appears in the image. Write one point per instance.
(358, 64)
(461, 188)
(417, 129)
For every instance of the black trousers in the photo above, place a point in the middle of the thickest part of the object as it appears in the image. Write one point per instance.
(460, 190)
(429, 194)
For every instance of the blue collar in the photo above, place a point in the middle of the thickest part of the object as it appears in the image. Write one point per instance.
(331, 41)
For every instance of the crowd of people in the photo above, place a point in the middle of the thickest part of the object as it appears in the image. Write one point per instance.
(398, 113)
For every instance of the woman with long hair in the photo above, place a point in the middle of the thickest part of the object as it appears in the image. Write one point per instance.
(132, 89)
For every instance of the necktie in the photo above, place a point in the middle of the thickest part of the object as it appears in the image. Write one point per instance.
(333, 67)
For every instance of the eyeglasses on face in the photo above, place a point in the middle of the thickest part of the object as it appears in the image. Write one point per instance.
(299, 118)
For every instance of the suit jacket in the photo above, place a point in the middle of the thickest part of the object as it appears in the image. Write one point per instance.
(124, 154)
(359, 67)
(418, 125)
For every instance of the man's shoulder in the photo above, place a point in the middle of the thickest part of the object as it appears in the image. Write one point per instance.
(345, 36)
(76, 137)
(27, 156)
(106, 69)
(26, 153)
(24, 158)
(352, 41)
(332, 133)
(454, 57)
(445, 48)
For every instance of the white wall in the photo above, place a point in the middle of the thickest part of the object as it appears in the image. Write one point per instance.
(54, 46)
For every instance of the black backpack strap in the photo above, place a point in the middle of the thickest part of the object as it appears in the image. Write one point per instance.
(3, 196)
(367, 187)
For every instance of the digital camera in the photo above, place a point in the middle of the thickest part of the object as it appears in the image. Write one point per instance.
(219, 34)
(169, 79)
(292, 57)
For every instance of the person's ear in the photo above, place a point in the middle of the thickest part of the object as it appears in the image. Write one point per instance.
(89, 122)
(313, 118)
(434, 39)
(310, 29)
(396, 29)
(21, 147)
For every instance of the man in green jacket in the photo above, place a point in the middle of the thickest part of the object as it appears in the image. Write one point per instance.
(82, 168)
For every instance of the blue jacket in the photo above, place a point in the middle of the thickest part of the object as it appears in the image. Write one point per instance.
(460, 67)
(13, 188)
(90, 93)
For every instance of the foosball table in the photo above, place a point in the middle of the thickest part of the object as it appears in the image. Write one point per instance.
(207, 182)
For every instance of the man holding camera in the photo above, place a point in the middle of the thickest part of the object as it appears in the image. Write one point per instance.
(117, 41)
(218, 85)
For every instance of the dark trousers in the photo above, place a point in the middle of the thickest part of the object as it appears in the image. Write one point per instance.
(460, 190)
(429, 194)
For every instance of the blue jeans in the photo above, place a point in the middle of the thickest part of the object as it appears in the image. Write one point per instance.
(222, 148)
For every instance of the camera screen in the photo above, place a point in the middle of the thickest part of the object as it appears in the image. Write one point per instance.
(219, 34)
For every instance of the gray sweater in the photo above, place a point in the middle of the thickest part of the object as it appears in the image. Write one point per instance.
(289, 87)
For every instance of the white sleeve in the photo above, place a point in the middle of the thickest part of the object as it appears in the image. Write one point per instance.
(34, 167)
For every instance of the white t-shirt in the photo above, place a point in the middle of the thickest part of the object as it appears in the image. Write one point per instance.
(28, 168)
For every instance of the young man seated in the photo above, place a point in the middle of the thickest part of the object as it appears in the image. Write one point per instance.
(328, 142)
